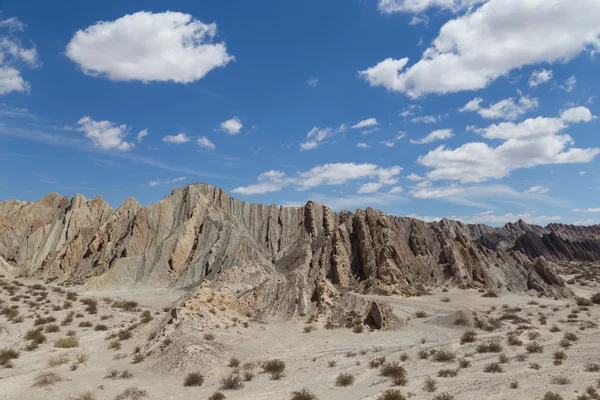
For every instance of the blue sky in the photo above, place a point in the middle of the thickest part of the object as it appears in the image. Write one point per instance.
(481, 110)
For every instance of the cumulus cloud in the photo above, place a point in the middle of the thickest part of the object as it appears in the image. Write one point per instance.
(180, 138)
(204, 142)
(105, 134)
(370, 187)
(414, 177)
(315, 138)
(13, 56)
(167, 182)
(476, 48)
(362, 145)
(537, 189)
(392, 142)
(504, 109)
(327, 174)
(539, 77)
(587, 210)
(396, 189)
(367, 123)
(313, 82)
(232, 126)
(440, 134)
(141, 135)
(529, 143)
(145, 46)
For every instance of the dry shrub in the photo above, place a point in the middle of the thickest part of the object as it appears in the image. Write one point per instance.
(193, 379)
(67, 342)
(47, 379)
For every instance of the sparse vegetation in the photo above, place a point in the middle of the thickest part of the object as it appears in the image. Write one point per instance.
(6, 357)
(468, 337)
(445, 373)
(534, 347)
(444, 356)
(560, 380)
(193, 379)
(303, 394)
(274, 367)
(232, 381)
(132, 393)
(58, 360)
(217, 396)
(67, 342)
(489, 347)
(391, 394)
(46, 379)
(430, 385)
(344, 379)
(493, 368)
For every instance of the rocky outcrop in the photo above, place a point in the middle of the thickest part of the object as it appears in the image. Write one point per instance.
(275, 257)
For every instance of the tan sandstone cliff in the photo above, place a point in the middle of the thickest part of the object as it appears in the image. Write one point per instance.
(272, 255)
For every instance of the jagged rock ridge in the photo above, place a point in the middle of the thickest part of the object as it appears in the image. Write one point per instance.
(274, 255)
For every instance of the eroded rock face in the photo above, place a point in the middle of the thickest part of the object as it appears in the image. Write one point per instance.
(274, 256)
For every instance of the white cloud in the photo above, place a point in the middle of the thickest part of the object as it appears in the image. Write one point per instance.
(328, 174)
(414, 177)
(582, 173)
(105, 134)
(587, 210)
(588, 221)
(526, 144)
(313, 82)
(418, 6)
(591, 99)
(367, 123)
(343, 128)
(410, 110)
(396, 189)
(145, 46)
(576, 114)
(440, 134)
(362, 145)
(167, 182)
(478, 47)
(141, 135)
(424, 184)
(491, 218)
(539, 77)
(426, 119)
(488, 217)
(537, 189)
(569, 84)
(232, 126)
(180, 138)
(13, 55)
(203, 141)
(419, 19)
(392, 142)
(436, 193)
(504, 109)
(370, 187)
(315, 138)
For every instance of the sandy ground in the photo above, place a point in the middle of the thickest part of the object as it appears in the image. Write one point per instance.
(308, 355)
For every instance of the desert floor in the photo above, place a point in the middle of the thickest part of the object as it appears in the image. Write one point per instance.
(568, 365)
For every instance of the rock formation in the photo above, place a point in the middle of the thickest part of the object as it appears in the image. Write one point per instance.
(276, 257)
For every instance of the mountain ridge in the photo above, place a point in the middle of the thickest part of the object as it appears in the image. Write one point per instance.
(199, 233)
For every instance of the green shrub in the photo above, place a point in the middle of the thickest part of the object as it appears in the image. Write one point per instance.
(303, 394)
(67, 342)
